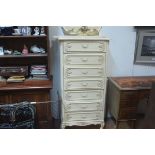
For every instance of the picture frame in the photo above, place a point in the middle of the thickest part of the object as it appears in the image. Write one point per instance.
(145, 47)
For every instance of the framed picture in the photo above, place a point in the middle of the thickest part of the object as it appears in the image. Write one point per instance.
(145, 47)
(1, 51)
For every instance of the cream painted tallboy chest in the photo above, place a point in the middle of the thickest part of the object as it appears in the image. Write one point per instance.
(82, 85)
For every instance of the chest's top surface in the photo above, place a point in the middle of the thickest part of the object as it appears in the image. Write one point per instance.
(81, 38)
(133, 82)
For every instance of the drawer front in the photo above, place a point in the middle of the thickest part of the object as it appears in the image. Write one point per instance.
(126, 95)
(86, 46)
(84, 106)
(97, 115)
(84, 84)
(74, 59)
(84, 95)
(84, 72)
(127, 113)
(129, 103)
(129, 99)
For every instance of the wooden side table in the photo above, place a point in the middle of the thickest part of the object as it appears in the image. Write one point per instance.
(124, 95)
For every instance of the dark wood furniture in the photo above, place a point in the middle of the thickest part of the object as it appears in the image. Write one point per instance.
(32, 90)
(124, 96)
(147, 112)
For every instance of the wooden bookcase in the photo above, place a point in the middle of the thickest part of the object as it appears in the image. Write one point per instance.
(33, 90)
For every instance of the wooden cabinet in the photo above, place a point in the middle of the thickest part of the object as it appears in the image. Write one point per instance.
(124, 96)
(32, 89)
(43, 110)
(81, 66)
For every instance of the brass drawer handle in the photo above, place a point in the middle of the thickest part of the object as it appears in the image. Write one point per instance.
(84, 107)
(84, 59)
(83, 117)
(84, 72)
(84, 84)
(85, 46)
(84, 95)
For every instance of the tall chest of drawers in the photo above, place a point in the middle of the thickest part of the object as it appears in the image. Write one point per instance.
(82, 83)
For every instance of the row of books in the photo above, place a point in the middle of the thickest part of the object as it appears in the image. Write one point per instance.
(38, 71)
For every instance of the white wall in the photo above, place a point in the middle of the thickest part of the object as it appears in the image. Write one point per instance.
(121, 55)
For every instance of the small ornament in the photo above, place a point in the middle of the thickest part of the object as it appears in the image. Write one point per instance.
(35, 49)
(42, 50)
(25, 50)
(8, 52)
(36, 30)
(29, 30)
(42, 33)
(1, 51)
(16, 52)
(23, 31)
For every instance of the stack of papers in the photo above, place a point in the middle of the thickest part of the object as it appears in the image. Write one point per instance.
(16, 79)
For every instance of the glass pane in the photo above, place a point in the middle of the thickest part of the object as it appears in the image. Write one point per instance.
(148, 46)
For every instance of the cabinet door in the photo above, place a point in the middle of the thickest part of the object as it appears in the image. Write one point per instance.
(4, 99)
(43, 109)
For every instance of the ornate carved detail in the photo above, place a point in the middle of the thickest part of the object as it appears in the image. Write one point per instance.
(68, 84)
(99, 84)
(68, 72)
(68, 96)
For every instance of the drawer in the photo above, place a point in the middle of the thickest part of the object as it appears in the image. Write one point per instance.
(129, 99)
(83, 59)
(127, 113)
(84, 84)
(85, 46)
(129, 103)
(84, 72)
(83, 106)
(96, 115)
(84, 95)
(126, 95)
